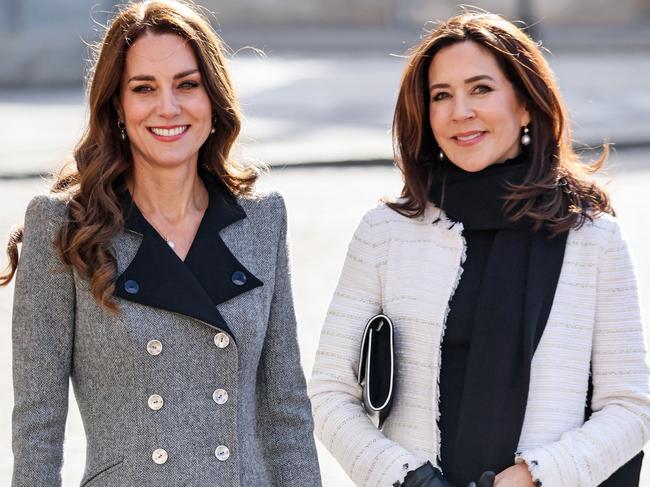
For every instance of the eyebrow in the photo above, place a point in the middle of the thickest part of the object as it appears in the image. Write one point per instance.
(467, 81)
(148, 77)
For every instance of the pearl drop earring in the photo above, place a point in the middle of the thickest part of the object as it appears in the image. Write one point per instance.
(441, 156)
(525, 139)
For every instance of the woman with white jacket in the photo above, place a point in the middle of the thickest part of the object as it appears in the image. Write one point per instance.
(510, 286)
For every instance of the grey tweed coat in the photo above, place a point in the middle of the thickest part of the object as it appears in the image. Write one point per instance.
(196, 382)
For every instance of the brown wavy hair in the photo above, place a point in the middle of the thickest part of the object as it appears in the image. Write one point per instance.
(102, 160)
(558, 191)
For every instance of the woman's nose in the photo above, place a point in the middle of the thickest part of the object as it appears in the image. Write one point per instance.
(462, 109)
(168, 105)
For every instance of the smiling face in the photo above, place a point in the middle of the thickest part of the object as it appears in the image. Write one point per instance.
(475, 114)
(163, 102)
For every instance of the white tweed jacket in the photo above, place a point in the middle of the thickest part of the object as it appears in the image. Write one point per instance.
(409, 269)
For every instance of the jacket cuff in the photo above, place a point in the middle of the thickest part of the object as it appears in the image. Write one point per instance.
(399, 471)
(540, 465)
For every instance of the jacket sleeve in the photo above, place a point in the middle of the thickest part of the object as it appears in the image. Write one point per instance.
(285, 424)
(620, 424)
(367, 456)
(43, 322)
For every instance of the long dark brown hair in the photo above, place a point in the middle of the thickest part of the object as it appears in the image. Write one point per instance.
(102, 160)
(559, 191)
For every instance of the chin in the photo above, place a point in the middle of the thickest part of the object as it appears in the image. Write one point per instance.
(173, 160)
(471, 165)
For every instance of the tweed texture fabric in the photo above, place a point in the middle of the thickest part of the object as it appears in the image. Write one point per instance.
(409, 269)
(60, 333)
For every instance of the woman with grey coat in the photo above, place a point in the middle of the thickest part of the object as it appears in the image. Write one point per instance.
(157, 279)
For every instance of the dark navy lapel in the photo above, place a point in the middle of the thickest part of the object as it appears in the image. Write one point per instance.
(220, 273)
(210, 275)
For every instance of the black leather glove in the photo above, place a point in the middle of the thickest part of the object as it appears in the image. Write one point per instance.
(486, 480)
(429, 476)
(425, 476)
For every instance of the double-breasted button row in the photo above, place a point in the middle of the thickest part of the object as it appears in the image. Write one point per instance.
(160, 456)
(155, 401)
(219, 396)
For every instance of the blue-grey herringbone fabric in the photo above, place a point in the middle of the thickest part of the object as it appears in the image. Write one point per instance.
(59, 332)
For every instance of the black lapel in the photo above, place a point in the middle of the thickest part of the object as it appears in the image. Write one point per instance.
(210, 275)
(220, 273)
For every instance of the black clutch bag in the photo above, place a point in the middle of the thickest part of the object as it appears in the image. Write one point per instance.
(377, 368)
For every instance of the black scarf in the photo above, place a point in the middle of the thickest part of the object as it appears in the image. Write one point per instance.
(512, 308)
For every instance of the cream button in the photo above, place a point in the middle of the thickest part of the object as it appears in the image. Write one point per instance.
(221, 340)
(159, 456)
(220, 396)
(154, 347)
(222, 453)
(155, 402)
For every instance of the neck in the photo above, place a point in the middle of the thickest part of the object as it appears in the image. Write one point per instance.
(170, 194)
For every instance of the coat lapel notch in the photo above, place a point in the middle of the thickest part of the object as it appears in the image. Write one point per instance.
(210, 260)
(210, 275)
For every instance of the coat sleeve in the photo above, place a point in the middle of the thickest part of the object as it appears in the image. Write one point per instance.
(367, 456)
(42, 336)
(285, 424)
(620, 425)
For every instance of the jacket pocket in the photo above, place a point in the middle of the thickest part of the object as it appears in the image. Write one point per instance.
(102, 472)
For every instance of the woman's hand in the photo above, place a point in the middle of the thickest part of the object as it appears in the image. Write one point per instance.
(515, 476)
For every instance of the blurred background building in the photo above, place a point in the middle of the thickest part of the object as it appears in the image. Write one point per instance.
(41, 41)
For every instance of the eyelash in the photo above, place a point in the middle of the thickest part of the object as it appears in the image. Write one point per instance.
(483, 88)
(189, 84)
(478, 89)
(142, 89)
(185, 85)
